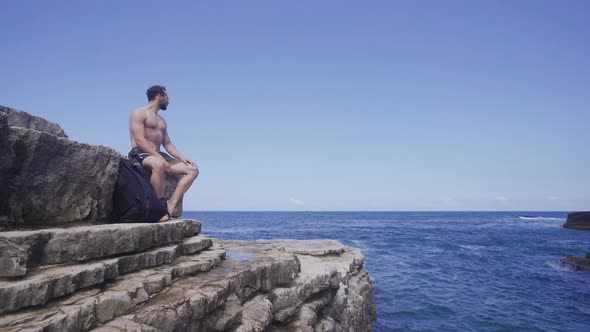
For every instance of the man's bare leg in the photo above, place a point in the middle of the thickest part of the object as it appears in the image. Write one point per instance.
(157, 168)
(188, 175)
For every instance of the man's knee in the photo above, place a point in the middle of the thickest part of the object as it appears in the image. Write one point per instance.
(193, 172)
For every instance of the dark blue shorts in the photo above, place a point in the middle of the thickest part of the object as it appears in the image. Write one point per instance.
(138, 156)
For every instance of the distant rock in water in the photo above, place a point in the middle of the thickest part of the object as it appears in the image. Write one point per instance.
(578, 263)
(578, 220)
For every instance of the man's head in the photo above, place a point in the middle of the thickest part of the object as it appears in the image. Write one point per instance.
(159, 94)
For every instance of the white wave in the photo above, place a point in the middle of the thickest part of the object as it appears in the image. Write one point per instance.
(473, 247)
(559, 266)
(539, 218)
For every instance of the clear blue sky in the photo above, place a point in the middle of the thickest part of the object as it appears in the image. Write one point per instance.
(326, 105)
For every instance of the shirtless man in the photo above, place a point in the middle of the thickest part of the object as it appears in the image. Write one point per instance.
(148, 133)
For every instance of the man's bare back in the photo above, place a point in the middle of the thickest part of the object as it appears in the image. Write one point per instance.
(148, 132)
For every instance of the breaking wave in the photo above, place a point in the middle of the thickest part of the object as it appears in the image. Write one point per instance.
(538, 218)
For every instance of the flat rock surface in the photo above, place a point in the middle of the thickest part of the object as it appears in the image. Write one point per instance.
(305, 247)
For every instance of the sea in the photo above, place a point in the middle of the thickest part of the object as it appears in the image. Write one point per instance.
(446, 271)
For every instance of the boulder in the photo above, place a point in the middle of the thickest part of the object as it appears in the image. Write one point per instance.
(22, 119)
(578, 220)
(47, 179)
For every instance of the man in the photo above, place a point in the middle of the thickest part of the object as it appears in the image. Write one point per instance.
(148, 133)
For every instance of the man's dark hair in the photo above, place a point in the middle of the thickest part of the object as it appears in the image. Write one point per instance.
(155, 90)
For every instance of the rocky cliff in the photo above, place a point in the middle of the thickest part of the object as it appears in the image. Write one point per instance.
(48, 179)
(148, 277)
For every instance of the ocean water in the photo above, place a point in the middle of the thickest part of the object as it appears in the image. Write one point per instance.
(446, 271)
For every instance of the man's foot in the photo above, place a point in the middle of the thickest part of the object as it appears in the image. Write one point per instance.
(165, 218)
(171, 210)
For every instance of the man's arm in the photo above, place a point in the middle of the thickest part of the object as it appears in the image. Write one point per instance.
(137, 129)
(173, 151)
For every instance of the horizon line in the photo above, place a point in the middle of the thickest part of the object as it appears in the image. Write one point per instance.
(561, 211)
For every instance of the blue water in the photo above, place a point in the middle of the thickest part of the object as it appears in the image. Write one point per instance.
(446, 271)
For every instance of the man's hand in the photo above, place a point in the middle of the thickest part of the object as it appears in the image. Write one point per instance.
(188, 162)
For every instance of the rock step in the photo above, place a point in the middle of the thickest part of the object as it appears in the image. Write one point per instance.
(87, 308)
(38, 287)
(213, 301)
(23, 251)
(258, 288)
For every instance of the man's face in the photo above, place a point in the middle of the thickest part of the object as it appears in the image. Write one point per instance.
(164, 100)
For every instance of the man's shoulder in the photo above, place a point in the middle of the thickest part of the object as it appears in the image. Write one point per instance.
(139, 112)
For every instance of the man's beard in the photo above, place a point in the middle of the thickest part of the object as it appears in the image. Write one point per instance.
(163, 106)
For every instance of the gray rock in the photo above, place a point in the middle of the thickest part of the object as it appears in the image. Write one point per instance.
(49, 283)
(89, 307)
(208, 292)
(124, 323)
(73, 314)
(327, 324)
(260, 286)
(359, 311)
(307, 317)
(256, 315)
(13, 258)
(578, 220)
(22, 119)
(196, 244)
(157, 282)
(306, 247)
(111, 305)
(228, 315)
(317, 274)
(6, 165)
(24, 250)
(50, 180)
